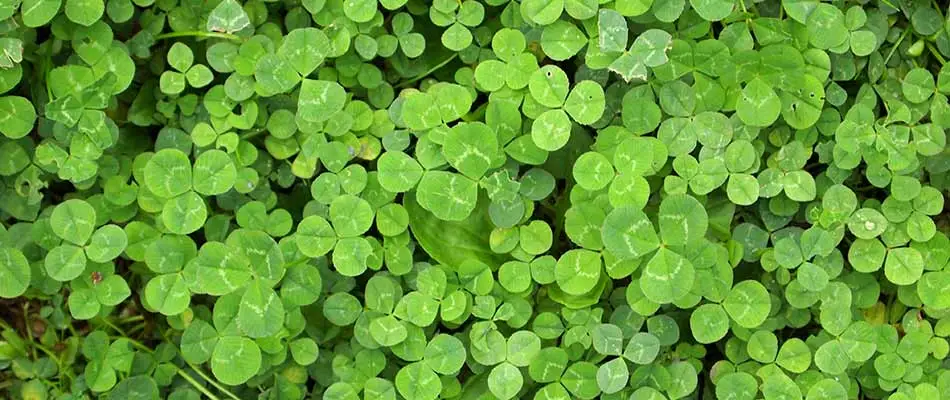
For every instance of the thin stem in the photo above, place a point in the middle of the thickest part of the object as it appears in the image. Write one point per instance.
(56, 359)
(47, 66)
(48, 353)
(296, 262)
(114, 327)
(936, 53)
(131, 319)
(29, 329)
(429, 72)
(140, 346)
(137, 344)
(197, 385)
(252, 134)
(204, 376)
(199, 34)
(896, 45)
(136, 328)
(212, 381)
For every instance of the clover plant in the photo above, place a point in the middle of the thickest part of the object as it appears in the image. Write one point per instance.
(474, 199)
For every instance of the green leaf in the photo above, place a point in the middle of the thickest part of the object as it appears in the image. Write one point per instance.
(445, 354)
(649, 49)
(388, 331)
(228, 17)
(713, 10)
(198, 342)
(758, 105)
(505, 381)
(450, 197)
(74, 221)
(682, 220)
(214, 173)
(612, 376)
(562, 40)
(748, 304)
(642, 348)
(578, 271)
(83, 305)
(37, 13)
(826, 26)
(739, 385)
(359, 10)
(17, 116)
(612, 31)
(918, 85)
(593, 171)
(185, 214)
(549, 86)
(315, 236)
(586, 102)
(709, 323)
(168, 173)
(667, 277)
(398, 172)
(168, 294)
(794, 356)
(235, 360)
(903, 266)
(471, 148)
(14, 273)
(261, 311)
(107, 243)
(628, 233)
(551, 130)
(542, 12)
(867, 223)
(319, 100)
(417, 381)
(304, 49)
(801, 107)
(304, 351)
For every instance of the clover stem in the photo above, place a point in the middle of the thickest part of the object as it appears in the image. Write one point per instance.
(114, 327)
(296, 263)
(196, 384)
(429, 72)
(29, 329)
(936, 54)
(47, 67)
(251, 134)
(192, 381)
(48, 352)
(131, 319)
(896, 45)
(204, 376)
(56, 359)
(135, 343)
(212, 381)
(137, 328)
(199, 34)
